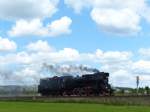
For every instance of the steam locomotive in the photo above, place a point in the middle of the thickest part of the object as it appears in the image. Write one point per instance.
(95, 84)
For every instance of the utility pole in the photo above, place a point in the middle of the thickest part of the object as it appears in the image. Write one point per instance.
(137, 84)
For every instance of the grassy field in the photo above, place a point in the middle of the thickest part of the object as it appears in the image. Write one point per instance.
(113, 100)
(66, 107)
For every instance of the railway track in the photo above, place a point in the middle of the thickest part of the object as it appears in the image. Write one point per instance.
(71, 97)
(110, 100)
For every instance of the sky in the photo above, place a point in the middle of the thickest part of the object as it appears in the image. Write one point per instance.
(110, 35)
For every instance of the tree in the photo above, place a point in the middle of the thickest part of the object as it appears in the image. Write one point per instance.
(147, 90)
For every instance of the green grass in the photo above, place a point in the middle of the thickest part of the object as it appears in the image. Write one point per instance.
(66, 107)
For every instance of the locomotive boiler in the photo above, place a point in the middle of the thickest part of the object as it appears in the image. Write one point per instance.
(95, 84)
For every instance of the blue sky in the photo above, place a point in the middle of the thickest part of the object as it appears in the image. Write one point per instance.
(84, 30)
(111, 35)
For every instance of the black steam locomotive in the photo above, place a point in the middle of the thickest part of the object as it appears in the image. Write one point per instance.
(95, 84)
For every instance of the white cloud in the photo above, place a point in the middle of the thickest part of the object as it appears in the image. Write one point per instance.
(27, 9)
(77, 5)
(146, 13)
(36, 28)
(115, 16)
(40, 52)
(120, 22)
(21, 58)
(60, 27)
(28, 76)
(122, 78)
(7, 45)
(15, 58)
(28, 63)
(25, 28)
(112, 56)
(39, 46)
(142, 67)
(145, 52)
(65, 55)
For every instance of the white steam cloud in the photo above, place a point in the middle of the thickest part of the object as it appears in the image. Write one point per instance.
(69, 69)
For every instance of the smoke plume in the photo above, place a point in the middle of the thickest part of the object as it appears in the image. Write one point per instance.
(69, 69)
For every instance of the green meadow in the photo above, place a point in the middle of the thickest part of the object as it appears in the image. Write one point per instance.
(67, 107)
